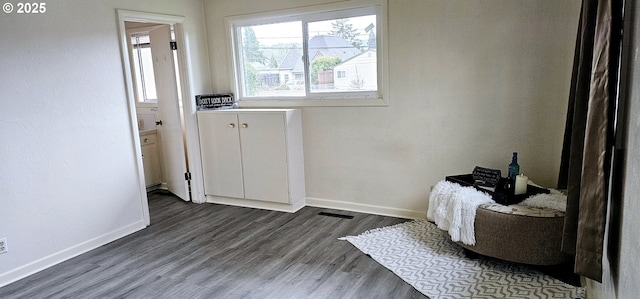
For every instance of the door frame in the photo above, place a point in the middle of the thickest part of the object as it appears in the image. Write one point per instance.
(191, 135)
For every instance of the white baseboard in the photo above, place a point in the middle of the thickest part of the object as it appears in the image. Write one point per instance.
(365, 208)
(320, 203)
(66, 254)
(256, 204)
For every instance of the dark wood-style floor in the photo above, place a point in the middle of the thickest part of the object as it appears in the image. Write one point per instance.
(216, 251)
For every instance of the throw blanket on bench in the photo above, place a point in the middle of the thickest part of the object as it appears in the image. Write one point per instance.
(453, 208)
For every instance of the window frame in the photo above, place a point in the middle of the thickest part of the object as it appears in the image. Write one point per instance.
(306, 15)
(130, 33)
(140, 82)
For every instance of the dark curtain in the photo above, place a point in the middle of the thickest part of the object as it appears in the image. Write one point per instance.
(588, 141)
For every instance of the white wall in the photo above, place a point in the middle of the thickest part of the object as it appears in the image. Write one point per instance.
(68, 180)
(470, 82)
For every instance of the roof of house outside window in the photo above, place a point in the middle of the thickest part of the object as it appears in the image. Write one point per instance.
(320, 46)
(331, 46)
(293, 61)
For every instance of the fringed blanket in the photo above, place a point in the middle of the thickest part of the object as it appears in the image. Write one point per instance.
(453, 208)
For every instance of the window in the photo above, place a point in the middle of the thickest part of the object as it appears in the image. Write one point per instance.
(325, 53)
(143, 68)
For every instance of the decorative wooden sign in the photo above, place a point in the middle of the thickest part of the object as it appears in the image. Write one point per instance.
(214, 101)
(486, 176)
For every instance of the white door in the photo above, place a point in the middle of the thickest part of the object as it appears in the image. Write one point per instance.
(172, 142)
(264, 156)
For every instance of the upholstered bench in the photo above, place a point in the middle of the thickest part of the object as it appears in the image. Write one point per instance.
(519, 233)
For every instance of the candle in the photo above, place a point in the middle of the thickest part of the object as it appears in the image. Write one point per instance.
(521, 184)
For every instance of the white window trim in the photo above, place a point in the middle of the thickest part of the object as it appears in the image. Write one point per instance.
(130, 32)
(381, 97)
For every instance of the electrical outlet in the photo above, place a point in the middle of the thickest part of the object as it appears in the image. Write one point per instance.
(3, 245)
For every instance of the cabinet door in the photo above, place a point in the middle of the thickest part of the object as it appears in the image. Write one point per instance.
(221, 160)
(151, 164)
(264, 156)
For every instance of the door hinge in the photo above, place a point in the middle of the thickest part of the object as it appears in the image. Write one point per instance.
(187, 176)
(173, 45)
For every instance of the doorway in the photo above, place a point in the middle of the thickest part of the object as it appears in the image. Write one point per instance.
(153, 69)
(152, 54)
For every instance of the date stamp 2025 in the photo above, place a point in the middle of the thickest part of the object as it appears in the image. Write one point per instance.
(25, 7)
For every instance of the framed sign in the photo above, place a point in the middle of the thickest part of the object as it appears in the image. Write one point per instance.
(486, 176)
(214, 101)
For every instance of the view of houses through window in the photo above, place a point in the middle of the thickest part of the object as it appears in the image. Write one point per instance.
(340, 57)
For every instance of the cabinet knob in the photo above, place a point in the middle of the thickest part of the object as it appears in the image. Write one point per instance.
(245, 125)
(146, 139)
(232, 125)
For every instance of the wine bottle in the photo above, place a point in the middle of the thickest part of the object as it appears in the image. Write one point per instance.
(514, 168)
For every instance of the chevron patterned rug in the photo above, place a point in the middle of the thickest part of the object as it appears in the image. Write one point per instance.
(420, 254)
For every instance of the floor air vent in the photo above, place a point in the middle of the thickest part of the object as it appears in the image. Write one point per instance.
(335, 215)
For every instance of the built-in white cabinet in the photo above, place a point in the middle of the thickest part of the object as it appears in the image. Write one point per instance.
(254, 155)
(151, 159)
